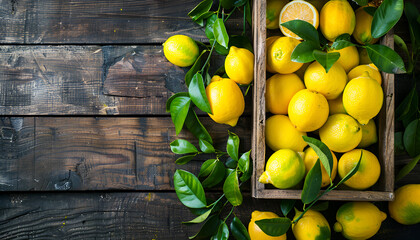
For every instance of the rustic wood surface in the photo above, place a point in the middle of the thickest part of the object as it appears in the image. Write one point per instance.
(80, 175)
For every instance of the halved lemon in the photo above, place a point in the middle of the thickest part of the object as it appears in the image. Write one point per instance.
(298, 9)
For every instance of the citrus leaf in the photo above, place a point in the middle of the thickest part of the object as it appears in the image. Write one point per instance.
(352, 171)
(274, 227)
(407, 168)
(411, 138)
(370, 10)
(232, 146)
(326, 59)
(185, 159)
(207, 167)
(230, 163)
(220, 34)
(303, 29)
(323, 206)
(323, 152)
(361, 2)
(197, 93)
(241, 42)
(303, 52)
(227, 4)
(179, 110)
(202, 8)
(412, 14)
(239, 230)
(208, 229)
(205, 146)
(200, 218)
(169, 101)
(386, 16)
(245, 166)
(408, 106)
(239, 3)
(312, 184)
(386, 59)
(231, 189)
(342, 41)
(196, 128)
(398, 143)
(194, 69)
(222, 232)
(181, 146)
(189, 189)
(219, 48)
(216, 176)
(248, 14)
(403, 46)
(286, 205)
(209, 27)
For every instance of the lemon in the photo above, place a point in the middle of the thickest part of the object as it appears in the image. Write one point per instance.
(369, 135)
(312, 226)
(280, 88)
(298, 10)
(358, 220)
(330, 84)
(363, 56)
(310, 157)
(308, 110)
(368, 172)
(341, 133)
(405, 208)
(181, 50)
(279, 55)
(336, 105)
(362, 31)
(284, 169)
(349, 57)
(226, 100)
(370, 68)
(273, 12)
(268, 43)
(363, 98)
(239, 65)
(255, 232)
(336, 18)
(280, 133)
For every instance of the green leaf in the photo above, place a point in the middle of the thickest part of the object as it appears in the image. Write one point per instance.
(303, 52)
(370, 10)
(407, 168)
(286, 205)
(208, 79)
(216, 176)
(203, 16)
(326, 59)
(196, 128)
(241, 42)
(207, 167)
(408, 106)
(230, 163)
(219, 48)
(232, 146)
(361, 2)
(386, 16)
(386, 59)
(222, 232)
(200, 218)
(323, 152)
(352, 171)
(194, 69)
(179, 110)
(248, 15)
(205, 146)
(323, 206)
(240, 3)
(169, 101)
(220, 34)
(342, 41)
(412, 14)
(189, 189)
(245, 166)
(274, 227)
(304, 30)
(197, 93)
(208, 229)
(202, 8)
(227, 4)
(403, 46)
(238, 230)
(231, 189)
(209, 27)
(312, 184)
(411, 138)
(398, 143)
(185, 159)
(181, 146)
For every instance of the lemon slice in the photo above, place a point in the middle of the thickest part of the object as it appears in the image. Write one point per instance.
(298, 9)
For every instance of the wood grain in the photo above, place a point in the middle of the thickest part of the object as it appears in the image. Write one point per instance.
(86, 153)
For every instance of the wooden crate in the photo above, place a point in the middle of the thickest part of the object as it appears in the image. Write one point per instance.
(381, 191)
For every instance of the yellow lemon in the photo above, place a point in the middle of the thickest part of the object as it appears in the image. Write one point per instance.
(330, 84)
(363, 56)
(336, 18)
(301, 10)
(349, 57)
(280, 88)
(280, 133)
(226, 101)
(308, 110)
(239, 65)
(279, 55)
(312, 226)
(181, 50)
(336, 105)
(405, 208)
(255, 232)
(273, 12)
(284, 169)
(363, 98)
(358, 220)
(362, 32)
(341, 133)
(268, 43)
(369, 135)
(370, 68)
(369, 169)
(310, 157)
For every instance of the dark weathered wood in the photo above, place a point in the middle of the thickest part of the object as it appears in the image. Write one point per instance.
(86, 153)
(98, 22)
